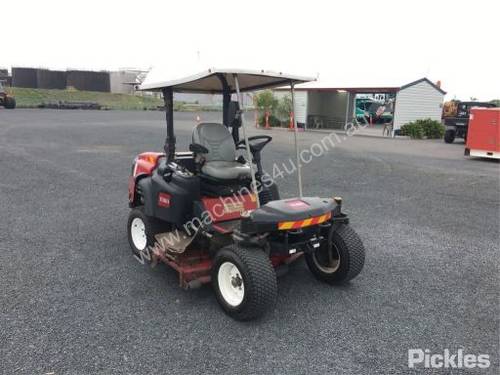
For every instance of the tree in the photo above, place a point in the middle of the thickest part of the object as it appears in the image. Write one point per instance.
(265, 100)
(284, 108)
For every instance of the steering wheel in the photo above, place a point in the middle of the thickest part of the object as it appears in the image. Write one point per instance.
(254, 146)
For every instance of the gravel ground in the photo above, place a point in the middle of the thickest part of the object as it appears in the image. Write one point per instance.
(74, 301)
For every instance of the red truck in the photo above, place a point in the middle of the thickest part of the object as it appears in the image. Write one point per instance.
(483, 136)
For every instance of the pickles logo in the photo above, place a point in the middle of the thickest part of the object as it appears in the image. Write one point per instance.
(418, 358)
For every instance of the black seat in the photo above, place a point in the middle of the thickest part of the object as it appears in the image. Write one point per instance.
(220, 161)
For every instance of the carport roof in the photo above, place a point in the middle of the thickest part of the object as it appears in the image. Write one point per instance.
(354, 90)
(319, 86)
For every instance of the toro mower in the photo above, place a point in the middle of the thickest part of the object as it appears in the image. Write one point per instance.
(215, 216)
(6, 100)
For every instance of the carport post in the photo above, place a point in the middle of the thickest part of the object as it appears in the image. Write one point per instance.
(247, 145)
(296, 132)
(348, 105)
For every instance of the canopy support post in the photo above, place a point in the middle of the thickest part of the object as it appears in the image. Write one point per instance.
(169, 147)
(226, 99)
(247, 145)
(295, 132)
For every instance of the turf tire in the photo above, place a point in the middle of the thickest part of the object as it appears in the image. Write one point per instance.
(152, 227)
(259, 280)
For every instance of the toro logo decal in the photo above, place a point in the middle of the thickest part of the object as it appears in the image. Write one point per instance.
(297, 204)
(164, 200)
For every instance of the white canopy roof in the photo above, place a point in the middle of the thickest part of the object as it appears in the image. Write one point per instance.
(209, 81)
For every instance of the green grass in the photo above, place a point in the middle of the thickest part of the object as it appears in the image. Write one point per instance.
(32, 98)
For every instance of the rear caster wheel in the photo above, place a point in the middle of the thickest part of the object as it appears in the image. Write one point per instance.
(141, 230)
(244, 282)
(341, 262)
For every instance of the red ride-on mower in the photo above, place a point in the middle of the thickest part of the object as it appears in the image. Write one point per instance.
(215, 216)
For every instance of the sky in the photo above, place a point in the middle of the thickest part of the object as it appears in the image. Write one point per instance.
(345, 44)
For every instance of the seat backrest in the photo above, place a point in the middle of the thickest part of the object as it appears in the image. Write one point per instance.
(217, 139)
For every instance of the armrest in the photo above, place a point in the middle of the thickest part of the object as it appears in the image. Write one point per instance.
(198, 149)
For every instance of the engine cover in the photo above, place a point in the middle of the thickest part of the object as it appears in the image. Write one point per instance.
(288, 214)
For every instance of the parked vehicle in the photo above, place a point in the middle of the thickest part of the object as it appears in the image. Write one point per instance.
(379, 112)
(483, 139)
(6, 100)
(215, 216)
(456, 118)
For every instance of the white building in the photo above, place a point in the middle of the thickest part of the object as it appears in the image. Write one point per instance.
(418, 100)
(124, 81)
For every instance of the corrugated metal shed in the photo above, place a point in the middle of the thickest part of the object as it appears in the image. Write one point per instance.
(24, 77)
(50, 79)
(85, 80)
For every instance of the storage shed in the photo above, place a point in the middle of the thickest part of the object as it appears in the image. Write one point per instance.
(323, 106)
(418, 100)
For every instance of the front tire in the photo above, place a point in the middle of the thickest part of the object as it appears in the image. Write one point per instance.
(244, 282)
(10, 102)
(141, 231)
(341, 262)
(449, 136)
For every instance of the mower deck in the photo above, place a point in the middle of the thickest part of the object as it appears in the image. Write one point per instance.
(193, 266)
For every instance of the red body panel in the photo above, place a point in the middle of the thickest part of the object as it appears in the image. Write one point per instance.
(146, 162)
(229, 208)
(484, 129)
(131, 188)
(143, 165)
